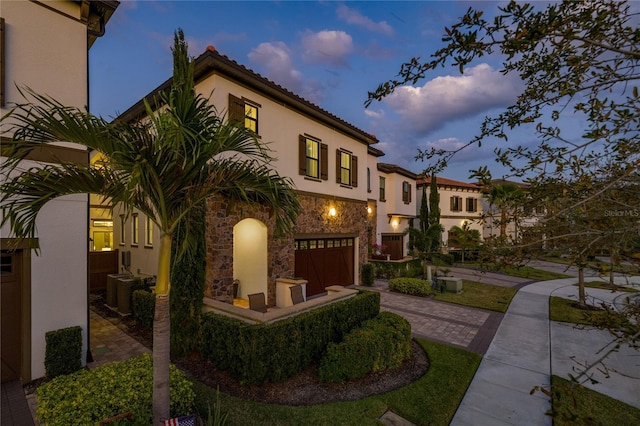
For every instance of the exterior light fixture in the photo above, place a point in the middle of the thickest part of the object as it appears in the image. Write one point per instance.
(369, 210)
(394, 223)
(332, 211)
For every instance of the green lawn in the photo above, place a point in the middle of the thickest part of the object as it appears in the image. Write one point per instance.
(563, 310)
(479, 295)
(606, 286)
(532, 273)
(431, 400)
(589, 407)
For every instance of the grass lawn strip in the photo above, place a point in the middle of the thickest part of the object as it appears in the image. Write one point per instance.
(563, 310)
(533, 273)
(606, 286)
(431, 400)
(590, 407)
(480, 295)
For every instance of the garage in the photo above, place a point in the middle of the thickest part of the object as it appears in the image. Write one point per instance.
(324, 262)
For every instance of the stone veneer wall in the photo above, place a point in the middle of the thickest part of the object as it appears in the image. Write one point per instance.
(351, 219)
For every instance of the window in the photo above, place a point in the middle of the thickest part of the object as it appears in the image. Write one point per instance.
(472, 205)
(406, 192)
(134, 229)
(123, 231)
(382, 188)
(346, 168)
(243, 113)
(456, 204)
(313, 158)
(148, 235)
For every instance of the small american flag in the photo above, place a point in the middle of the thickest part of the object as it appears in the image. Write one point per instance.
(181, 421)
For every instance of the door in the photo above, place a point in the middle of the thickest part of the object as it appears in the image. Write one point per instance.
(324, 262)
(394, 245)
(11, 314)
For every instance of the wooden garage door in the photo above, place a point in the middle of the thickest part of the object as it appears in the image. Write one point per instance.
(324, 262)
(394, 244)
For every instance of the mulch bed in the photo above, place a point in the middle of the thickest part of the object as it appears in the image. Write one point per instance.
(303, 389)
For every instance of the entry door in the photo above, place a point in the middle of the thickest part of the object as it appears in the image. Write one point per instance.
(11, 285)
(394, 244)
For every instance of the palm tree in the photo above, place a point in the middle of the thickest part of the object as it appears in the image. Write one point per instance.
(165, 166)
(506, 196)
(464, 237)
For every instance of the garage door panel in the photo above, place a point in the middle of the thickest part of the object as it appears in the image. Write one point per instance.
(324, 262)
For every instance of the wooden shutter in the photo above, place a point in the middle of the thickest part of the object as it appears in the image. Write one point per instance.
(338, 168)
(354, 171)
(409, 196)
(451, 204)
(302, 155)
(236, 110)
(324, 161)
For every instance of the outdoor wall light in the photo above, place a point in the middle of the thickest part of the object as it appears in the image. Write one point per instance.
(332, 212)
(369, 210)
(394, 223)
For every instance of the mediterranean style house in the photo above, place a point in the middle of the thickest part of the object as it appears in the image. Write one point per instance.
(327, 160)
(45, 46)
(460, 203)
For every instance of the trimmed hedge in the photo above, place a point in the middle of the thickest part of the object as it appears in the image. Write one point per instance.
(258, 353)
(381, 343)
(89, 396)
(413, 286)
(63, 353)
(368, 274)
(143, 305)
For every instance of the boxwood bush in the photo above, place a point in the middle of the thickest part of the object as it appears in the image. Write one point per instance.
(258, 353)
(143, 305)
(63, 353)
(90, 396)
(368, 274)
(413, 286)
(381, 343)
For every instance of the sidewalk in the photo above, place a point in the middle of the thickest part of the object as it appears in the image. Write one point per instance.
(527, 349)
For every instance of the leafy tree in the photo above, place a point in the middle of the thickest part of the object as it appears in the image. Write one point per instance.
(577, 60)
(166, 166)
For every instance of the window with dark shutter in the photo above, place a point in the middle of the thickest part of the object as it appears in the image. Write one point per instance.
(354, 171)
(383, 183)
(302, 155)
(236, 110)
(324, 161)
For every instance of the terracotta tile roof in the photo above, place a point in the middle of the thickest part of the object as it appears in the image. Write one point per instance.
(212, 61)
(449, 182)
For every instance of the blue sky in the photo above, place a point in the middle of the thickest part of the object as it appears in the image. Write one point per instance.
(332, 53)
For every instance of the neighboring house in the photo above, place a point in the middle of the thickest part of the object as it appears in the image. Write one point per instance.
(325, 157)
(460, 203)
(45, 47)
(396, 207)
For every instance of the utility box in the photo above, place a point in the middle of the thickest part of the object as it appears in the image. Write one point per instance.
(112, 289)
(124, 295)
(451, 284)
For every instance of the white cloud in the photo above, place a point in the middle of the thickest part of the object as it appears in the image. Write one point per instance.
(374, 114)
(331, 47)
(449, 98)
(354, 17)
(276, 59)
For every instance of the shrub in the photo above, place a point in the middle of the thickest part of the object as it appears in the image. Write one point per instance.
(257, 353)
(439, 259)
(143, 306)
(368, 276)
(63, 353)
(89, 396)
(413, 286)
(381, 343)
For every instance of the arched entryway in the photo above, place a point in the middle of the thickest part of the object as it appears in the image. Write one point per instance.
(250, 256)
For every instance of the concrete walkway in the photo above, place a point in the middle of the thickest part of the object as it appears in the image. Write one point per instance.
(528, 348)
